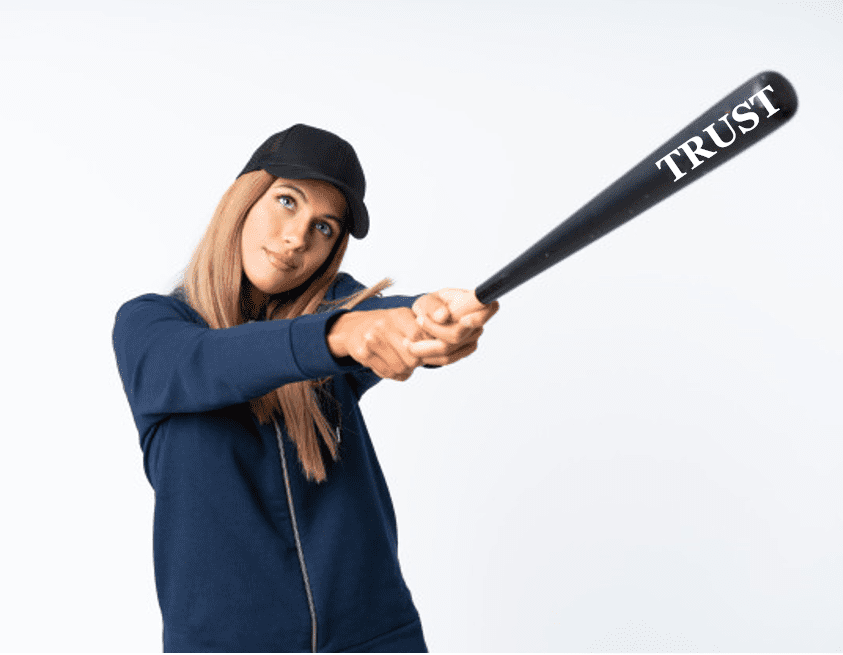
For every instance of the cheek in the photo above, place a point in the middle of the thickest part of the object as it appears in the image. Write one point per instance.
(247, 240)
(251, 242)
(326, 252)
(254, 229)
(317, 259)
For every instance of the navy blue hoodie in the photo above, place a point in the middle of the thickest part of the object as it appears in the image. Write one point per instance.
(235, 569)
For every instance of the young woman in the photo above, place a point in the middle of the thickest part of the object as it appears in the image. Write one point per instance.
(273, 527)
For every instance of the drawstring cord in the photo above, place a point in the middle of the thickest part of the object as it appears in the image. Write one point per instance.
(311, 605)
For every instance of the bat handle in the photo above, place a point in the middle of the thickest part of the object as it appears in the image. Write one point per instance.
(537, 258)
(485, 293)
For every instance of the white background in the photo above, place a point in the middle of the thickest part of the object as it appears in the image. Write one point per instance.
(645, 454)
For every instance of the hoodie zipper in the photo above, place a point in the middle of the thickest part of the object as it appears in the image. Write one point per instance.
(310, 604)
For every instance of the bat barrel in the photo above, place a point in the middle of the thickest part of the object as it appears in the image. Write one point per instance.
(739, 120)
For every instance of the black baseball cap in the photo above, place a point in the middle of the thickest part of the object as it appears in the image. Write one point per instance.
(302, 152)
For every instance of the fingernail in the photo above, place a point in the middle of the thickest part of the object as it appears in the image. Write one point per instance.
(420, 319)
(440, 314)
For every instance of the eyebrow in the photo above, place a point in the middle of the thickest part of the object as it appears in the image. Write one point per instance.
(304, 195)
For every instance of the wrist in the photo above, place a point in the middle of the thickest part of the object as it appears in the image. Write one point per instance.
(337, 334)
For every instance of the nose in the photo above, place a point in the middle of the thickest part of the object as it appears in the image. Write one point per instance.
(295, 234)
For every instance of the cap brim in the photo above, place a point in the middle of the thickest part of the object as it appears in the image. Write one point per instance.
(359, 215)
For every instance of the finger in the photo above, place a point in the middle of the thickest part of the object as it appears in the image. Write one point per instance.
(397, 359)
(454, 334)
(461, 302)
(404, 355)
(394, 331)
(480, 317)
(405, 330)
(391, 367)
(431, 308)
(455, 356)
(427, 348)
(364, 351)
(371, 353)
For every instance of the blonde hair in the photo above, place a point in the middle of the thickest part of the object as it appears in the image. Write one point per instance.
(213, 285)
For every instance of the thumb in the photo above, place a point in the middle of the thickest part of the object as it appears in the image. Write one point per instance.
(461, 302)
(433, 308)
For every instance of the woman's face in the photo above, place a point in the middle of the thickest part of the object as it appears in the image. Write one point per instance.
(289, 233)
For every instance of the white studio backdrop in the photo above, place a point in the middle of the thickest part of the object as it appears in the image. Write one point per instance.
(645, 453)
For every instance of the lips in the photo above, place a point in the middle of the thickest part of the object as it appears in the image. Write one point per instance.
(281, 262)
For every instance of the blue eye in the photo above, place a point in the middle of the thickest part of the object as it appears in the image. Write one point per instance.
(324, 228)
(287, 201)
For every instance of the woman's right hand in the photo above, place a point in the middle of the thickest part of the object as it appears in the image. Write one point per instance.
(379, 340)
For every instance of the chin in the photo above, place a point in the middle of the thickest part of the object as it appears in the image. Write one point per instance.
(283, 288)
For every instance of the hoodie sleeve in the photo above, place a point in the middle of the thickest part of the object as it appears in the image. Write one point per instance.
(170, 361)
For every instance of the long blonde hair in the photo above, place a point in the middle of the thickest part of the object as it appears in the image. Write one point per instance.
(213, 285)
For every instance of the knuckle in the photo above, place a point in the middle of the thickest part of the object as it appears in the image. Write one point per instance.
(449, 337)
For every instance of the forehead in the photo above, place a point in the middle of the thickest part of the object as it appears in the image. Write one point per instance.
(316, 191)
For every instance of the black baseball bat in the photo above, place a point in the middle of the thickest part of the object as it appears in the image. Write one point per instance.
(755, 108)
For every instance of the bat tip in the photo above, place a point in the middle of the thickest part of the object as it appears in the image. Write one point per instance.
(784, 92)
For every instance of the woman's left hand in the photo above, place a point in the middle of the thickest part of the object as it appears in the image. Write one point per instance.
(454, 318)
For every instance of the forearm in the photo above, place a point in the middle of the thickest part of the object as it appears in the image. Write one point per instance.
(170, 364)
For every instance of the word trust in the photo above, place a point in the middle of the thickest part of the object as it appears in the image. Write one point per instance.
(693, 147)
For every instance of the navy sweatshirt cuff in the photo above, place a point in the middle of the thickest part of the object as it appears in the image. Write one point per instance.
(309, 345)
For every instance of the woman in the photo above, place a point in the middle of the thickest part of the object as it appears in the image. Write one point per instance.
(257, 358)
